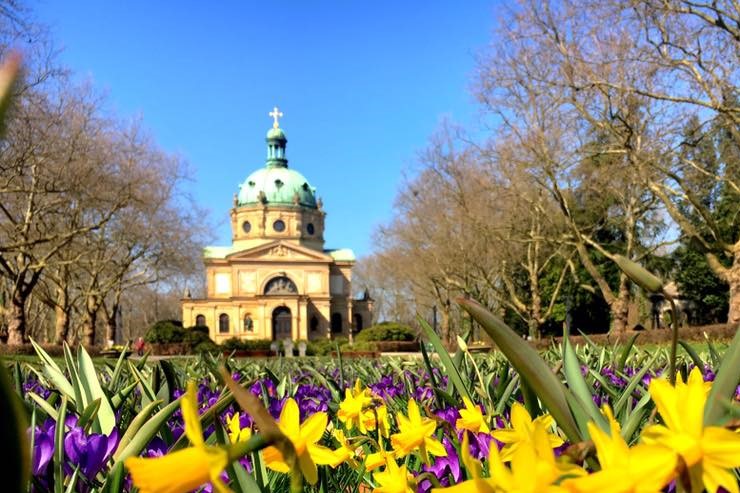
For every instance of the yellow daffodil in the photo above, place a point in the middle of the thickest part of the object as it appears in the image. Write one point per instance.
(304, 438)
(476, 483)
(351, 408)
(709, 453)
(522, 427)
(236, 432)
(471, 418)
(346, 451)
(377, 417)
(640, 469)
(377, 459)
(183, 470)
(416, 433)
(533, 469)
(394, 479)
(533, 466)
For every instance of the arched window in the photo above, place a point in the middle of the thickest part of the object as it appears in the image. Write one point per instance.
(248, 323)
(281, 285)
(200, 320)
(314, 324)
(223, 323)
(336, 322)
(358, 322)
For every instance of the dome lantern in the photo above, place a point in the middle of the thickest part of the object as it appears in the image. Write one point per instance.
(276, 184)
(276, 142)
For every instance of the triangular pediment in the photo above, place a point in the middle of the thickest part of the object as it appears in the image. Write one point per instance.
(280, 251)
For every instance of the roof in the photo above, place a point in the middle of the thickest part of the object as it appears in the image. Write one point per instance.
(277, 186)
(341, 254)
(218, 251)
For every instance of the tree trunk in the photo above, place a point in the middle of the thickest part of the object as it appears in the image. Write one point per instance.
(61, 311)
(620, 306)
(732, 276)
(91, 319)
(61, 325)
(111, 325)
(17, 318)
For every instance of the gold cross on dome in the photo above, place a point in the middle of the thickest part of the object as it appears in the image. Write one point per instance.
(275, 114)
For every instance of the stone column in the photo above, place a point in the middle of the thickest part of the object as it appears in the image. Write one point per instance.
(303, 320)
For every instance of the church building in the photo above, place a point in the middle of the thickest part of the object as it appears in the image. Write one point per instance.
(276, 280)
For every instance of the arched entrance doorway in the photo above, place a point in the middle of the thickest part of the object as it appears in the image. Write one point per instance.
(281, 323)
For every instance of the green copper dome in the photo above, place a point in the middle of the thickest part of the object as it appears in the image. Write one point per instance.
(276, 184)
(276, 134)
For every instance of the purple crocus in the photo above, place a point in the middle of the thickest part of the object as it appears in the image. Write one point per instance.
(90, 451)
(446, 469)
(43, 447)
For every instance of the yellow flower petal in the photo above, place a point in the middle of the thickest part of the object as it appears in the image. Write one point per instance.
(177, 472)
(321, 455)
(290, 418)
(721, 447)
(274, 459)
(314, 427)
(664, 397)
(308, 468)
(189, 406)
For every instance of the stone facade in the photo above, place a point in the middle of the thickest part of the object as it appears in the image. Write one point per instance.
(276, 280)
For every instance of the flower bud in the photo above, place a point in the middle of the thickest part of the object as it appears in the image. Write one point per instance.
(639, 275)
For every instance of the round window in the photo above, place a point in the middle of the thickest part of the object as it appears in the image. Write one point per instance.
(278, 226)
(310, 228)
(246, 226)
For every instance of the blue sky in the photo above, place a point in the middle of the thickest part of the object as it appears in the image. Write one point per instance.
(362, 86)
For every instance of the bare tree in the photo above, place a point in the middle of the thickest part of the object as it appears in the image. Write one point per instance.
(55, 180)
(581, 141)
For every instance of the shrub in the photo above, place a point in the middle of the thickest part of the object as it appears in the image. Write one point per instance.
(358, 346)
(323, 347)
(387, 331)
(166, 332)
(236, 344)
(199, 340)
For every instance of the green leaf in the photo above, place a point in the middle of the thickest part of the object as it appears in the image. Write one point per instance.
(117, 370)
(725, 383)
(633, 383)
(626, 352)
(43, 404)
(578, 386)
(59, 447)
(88, 414)
(692, 354)
(135, 426)
(530, 366)
(444, 356)
(106, 418)
(147, 431)
(53, 372)
(15, 465)
(118, 399)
